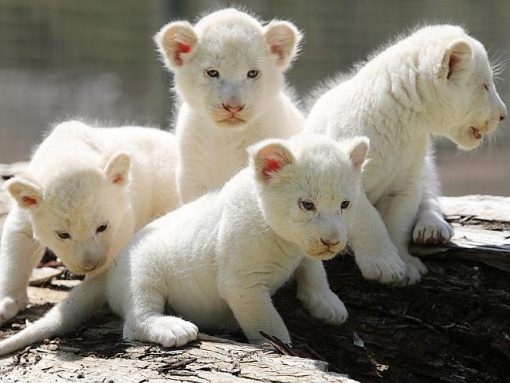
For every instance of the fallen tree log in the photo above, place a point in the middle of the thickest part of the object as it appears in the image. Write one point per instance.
(482, 231)
(203, 361)
(452, 327)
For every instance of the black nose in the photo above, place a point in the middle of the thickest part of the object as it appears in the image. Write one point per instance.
(501, 118)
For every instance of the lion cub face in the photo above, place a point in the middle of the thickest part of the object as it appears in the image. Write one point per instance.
(78, 214)
(308, 187)
(228, 67)
(467, 98)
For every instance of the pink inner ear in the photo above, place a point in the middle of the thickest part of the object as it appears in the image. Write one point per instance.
(180, 49)
(454, 60)
(183, 48)
(277, 50)
(270, 165)
(29, 201)
(118, 179)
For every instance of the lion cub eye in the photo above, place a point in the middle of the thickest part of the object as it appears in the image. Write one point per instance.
(253, 73)
(306, 205)
(63, 235)
(101, 228)
(486, 87)
(345, 204)
(213, 73)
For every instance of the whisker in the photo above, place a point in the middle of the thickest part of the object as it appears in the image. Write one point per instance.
(498, 64)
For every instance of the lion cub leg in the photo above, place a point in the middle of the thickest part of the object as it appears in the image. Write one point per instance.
(374, 252)
(19, 254)
(430, 226)
(254, 311)
(398, 212)
(146, 322)
(315, 294)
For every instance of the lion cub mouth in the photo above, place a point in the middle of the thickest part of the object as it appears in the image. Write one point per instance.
(233, 120)
(476, 133)
(323, 254)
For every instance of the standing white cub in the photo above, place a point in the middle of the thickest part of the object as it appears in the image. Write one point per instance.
(438, 81)
(228, 70)
(217, 261)
(84, 193)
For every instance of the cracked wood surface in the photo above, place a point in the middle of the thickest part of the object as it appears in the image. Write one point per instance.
(204, 361)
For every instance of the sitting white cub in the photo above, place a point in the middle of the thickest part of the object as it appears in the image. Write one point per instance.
(228, 70)
(217, 261)
(84, 193)
(436, 81)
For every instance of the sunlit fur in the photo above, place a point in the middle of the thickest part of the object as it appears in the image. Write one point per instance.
(437, 81)
(83, 178)
(315, 176)
(212, 140)
(215, 262)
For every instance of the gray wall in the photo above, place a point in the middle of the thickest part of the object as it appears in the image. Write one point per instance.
(96, 59)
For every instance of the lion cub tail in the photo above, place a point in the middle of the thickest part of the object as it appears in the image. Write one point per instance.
(81, 303)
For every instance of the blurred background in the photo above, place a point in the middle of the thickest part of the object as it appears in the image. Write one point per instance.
(95, 59)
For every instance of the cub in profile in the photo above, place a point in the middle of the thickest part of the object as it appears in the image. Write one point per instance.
(229, 73)
(437, 81)
(84, 193)
(216, 261)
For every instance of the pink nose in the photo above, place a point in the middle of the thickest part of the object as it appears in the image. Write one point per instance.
(329, 242)
(232, 108)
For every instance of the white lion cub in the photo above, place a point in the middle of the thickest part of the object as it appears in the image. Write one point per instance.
(83, 195)
(228, 70)
(217, 261)
(438, 81)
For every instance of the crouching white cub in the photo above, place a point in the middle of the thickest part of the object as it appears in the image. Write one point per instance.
(84, 193)
(228, 70)
(438, 81)
(216, 262)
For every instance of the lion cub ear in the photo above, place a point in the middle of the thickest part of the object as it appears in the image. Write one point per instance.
(176, 42)
(283, 39)
(27, 193)
(457, 58)
(357, 151)
(268, 158)
(117, 169)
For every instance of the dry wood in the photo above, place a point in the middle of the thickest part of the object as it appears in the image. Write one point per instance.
(202, 361)
(482, 231)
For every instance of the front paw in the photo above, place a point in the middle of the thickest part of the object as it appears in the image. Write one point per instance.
(415, 269)
(431, 228)
(9, 307)
(382, 267)
(168, 331)
(324, 305)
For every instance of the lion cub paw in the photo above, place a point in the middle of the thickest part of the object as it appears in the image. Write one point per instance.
(170, 331)
(385, 269)
(431, 228)
(415, 269)
(324, 305)
(9, 307)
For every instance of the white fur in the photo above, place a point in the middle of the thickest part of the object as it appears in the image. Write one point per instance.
(436, 81)
(221, 116)
(80, 179)
(217, 261)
